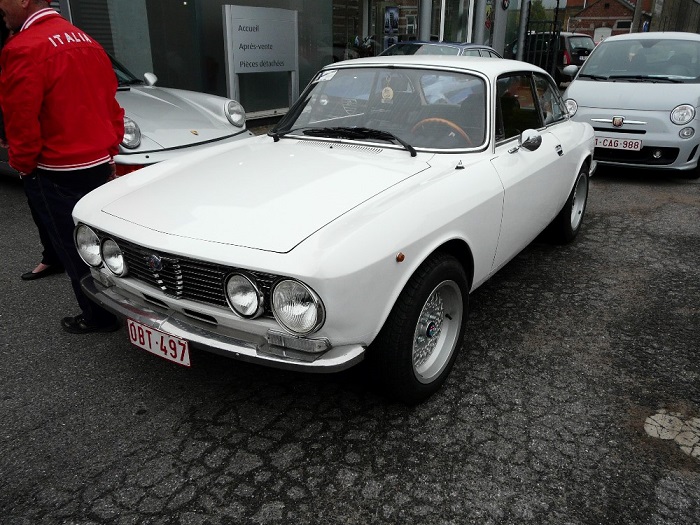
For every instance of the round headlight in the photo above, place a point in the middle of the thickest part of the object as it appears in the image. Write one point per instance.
(113, 258)
(296, 307)
(243, 296)
(88, 244)
(571, 106)
(235, 113)
(682, 114)
(132, 134)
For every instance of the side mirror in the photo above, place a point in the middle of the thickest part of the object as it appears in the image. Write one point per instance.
(150, 79)
(570, 71)
(530, 139)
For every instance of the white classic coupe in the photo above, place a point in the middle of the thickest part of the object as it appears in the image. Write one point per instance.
(355, 229)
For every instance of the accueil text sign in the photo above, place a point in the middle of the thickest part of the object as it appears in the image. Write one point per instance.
(261, 39)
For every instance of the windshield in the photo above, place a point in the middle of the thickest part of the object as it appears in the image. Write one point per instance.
(422, 108)
(577, 43)
(124, 76)
(644, 59)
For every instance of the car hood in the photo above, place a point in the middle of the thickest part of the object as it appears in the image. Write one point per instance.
(175, 118)
(643, 96)
(265, 195)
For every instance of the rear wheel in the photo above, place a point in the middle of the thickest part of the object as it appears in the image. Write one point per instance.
(567, 223)
(415, 350)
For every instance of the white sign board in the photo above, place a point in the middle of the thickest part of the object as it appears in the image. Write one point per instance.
(261, 39)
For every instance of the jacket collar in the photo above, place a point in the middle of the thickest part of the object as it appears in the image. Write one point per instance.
(36, 16)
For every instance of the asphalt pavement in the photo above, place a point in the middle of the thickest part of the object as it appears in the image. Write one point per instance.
(576, 399)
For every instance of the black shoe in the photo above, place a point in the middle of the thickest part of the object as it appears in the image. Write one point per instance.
(50, 270)
(78, 325)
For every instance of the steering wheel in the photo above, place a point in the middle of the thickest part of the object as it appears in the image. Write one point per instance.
(443, 122)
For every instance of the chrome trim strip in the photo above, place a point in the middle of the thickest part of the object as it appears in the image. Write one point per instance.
(254, 350)
(609, 121)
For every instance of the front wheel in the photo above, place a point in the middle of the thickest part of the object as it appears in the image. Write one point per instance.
(415, 350)
(567, 223)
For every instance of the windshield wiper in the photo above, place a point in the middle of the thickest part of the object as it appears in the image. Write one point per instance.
(276, 134)
(594, 77)
(645, 78)
(360, 133)
(132, 82)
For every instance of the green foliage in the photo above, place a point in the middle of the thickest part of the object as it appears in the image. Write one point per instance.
(537, 11)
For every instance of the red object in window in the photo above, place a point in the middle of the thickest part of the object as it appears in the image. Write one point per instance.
(123, 169)
(567, 58)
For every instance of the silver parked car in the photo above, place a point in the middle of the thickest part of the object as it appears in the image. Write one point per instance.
(641, 93)
(163, 123)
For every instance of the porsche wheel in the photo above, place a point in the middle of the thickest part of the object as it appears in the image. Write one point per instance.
(415, 350)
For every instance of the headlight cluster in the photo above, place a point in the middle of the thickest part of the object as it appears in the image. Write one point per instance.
(295, 306)
(571, 106)
(682, 114)
(235, 113)
(95, 252)
(132, 134)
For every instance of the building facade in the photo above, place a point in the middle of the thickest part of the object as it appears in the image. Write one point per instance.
(183, 41)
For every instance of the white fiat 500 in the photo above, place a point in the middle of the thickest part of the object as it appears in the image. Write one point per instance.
(641, 94)
(355, 229)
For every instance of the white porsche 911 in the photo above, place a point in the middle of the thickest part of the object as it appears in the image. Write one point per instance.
(355, 229)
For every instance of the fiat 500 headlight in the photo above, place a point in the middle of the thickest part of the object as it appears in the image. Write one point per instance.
(88, 244)
(244, 296)
(113, 258)
(235, 113)
(132, 134)
(297, 307)
(571, 106)
(682, 114)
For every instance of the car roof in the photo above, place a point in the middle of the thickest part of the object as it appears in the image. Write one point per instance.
(488, 66)
(655, 35)
(444, 43)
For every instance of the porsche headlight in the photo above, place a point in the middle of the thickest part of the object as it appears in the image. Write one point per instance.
(235, 113)
(88, 244)
(113, 258)
(296, 307)
(243, 295)
(132, 134)
(682, 114)
(571, 106)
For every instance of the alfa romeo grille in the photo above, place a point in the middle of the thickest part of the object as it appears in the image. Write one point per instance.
(186, 278)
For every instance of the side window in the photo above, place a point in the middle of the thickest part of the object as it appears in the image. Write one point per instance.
(551, 104)
(517, 109)
(470, 53)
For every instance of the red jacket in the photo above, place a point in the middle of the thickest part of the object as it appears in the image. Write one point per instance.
(57, 92)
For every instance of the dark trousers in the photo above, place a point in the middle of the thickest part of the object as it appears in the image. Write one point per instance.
(49, 257)
(53, 194)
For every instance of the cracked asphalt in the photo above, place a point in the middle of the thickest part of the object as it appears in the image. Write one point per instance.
(576, 400)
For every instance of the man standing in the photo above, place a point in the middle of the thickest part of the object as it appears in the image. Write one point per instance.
(63, 127)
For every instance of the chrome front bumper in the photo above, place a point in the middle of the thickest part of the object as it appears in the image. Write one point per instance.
(244, 347)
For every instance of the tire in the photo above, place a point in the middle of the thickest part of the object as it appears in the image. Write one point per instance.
(417, 346)
(566, 225)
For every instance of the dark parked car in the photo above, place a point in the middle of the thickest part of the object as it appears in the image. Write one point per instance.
(415, 47)
(552, 53)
